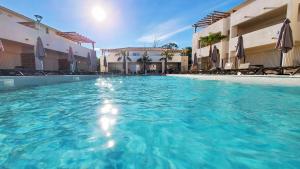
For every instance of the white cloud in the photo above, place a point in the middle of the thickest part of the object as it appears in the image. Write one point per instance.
(163, 31)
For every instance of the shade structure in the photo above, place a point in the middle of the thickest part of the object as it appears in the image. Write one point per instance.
(214, 55)
(195, 59)
(93, 60)
(240, 51)
(285, 40)
(105, 62)
(40, 53)
(89, 62)
(40, 50)
(124, 64)
(1, 46)
(71, 59)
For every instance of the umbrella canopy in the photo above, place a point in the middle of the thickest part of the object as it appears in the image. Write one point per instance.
(71, 58)
(285, 41)
(40, 50)
(105, 62)
(89, 62)
(1, 46)
(195, 59)
(215, 54)
(240, 51)
(124, 64)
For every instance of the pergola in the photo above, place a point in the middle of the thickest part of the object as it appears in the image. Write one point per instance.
(210, 19)
(76, 37)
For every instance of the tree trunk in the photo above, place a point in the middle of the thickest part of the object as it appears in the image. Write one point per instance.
(210, 53)
(144, 66)
(124, 65)
(166, 67)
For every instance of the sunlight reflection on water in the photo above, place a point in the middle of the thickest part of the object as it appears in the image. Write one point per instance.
(107, 116)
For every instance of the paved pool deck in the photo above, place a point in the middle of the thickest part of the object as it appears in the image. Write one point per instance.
(16, 82)
(275, 80)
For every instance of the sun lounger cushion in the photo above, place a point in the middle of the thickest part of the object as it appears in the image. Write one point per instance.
(244, 66)
(228, 66)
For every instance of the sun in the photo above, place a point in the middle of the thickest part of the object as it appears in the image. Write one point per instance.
(99, 13)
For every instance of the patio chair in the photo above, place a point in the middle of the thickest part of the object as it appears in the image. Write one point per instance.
(248, 69)
(228, 69)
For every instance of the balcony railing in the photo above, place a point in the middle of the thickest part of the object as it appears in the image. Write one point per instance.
(260, 37)
(255, 9)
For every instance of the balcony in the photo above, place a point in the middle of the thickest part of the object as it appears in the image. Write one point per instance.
(13, 31)
(204, 52)
(262, 37)
(255, 9)
(219, 26)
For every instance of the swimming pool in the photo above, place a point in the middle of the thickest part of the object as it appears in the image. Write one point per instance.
(150, 122)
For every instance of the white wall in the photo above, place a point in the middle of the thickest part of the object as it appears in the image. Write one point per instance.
(254, 9)
(154, 55)
(11, 30)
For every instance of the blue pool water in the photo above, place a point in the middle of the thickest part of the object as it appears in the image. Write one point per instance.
(149, 123)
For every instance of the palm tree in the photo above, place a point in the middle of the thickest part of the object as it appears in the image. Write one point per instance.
(144, 60)
(125, 56)
(168, 53)
(211, 39)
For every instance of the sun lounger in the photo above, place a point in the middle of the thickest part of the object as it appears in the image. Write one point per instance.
(228, 69)
(247, 69)
(290, 70)
(244, 68)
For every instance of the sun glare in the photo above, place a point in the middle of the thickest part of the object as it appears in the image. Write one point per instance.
(99, 13)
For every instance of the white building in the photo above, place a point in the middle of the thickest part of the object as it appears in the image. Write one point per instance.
(216, 22)
(19, 34)
(259, 22)
(177, 64)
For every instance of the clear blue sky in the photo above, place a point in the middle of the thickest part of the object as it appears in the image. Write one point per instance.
(128, 22)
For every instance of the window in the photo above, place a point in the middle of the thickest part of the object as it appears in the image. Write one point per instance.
(47, 30)
(135, 54)
(199, 44)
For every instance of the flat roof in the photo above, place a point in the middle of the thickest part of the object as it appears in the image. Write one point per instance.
(136, 49)
(75, 37)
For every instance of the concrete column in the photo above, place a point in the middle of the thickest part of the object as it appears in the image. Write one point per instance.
(163, 66)
(184, 63)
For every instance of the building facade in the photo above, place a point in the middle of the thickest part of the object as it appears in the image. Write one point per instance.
(19, 34)
(220, 25)
(259, 22)
(114, 63)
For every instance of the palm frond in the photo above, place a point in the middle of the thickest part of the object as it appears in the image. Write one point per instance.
(212, 38)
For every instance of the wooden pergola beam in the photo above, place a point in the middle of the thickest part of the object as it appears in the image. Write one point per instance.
(211, 18)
